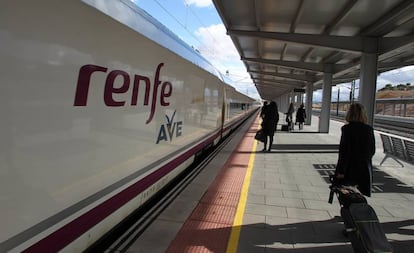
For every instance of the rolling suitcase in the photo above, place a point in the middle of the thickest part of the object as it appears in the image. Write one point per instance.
(360, 220)
(364, 230)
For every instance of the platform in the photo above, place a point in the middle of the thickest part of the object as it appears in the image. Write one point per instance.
(250, 201)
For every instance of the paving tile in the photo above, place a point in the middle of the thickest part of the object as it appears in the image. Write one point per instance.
(301, 195)
(401, 212)
(409, 196)
(251, 240)
(392, 203)
(390, 195)
(265, 191)
(256, 199)
(381, 211)
(320, 205)
(257, 183)
(254, 220)
(307, 214)
(281, 186)
(272, 177)
(330, 229)
(316, 189)
(285, 202)
(266, 210)
(275, 222)
(323, 248)
(257, 239)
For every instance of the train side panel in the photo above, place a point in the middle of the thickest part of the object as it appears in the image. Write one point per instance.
(236, 107)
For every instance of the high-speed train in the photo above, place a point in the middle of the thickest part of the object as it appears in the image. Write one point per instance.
(101, 106)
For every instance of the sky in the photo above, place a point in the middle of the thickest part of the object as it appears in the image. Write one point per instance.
(198, 24)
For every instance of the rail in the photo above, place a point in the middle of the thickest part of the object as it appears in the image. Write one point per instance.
(403, 107)
(401, 126)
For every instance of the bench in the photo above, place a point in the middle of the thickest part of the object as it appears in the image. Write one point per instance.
(397, 149)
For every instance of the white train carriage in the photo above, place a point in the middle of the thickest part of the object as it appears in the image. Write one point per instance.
(101, 106)
(237, 105)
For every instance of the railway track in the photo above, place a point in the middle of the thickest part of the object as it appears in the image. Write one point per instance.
(401, 126)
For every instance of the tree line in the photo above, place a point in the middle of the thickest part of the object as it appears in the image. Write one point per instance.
(400, 86)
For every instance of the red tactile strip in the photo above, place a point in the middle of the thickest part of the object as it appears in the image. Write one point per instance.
(199, 236)
(208, 227)
(221, 198)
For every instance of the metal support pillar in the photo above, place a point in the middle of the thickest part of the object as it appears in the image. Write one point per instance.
(309, 102)
(300, 98)
(405, 110)
(368, 83)
(284, 102)
(326, 102)
(278, 102)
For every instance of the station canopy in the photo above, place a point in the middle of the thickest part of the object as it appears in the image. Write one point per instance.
(286, 44)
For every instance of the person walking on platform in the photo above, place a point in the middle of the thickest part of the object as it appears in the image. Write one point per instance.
(289, 116)
(356, 149)
(269, 123)
(300, 116)
(263, 109)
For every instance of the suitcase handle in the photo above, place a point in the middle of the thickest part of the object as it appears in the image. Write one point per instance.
(331, 195)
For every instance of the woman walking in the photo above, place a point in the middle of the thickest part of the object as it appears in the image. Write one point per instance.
(269, 124)
(356, 148)
(300, 116)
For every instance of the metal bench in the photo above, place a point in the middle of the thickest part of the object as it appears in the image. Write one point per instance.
(397, 149)
(409, 148)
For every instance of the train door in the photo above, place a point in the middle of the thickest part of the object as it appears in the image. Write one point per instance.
(223, 112)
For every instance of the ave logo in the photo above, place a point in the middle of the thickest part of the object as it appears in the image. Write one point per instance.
(170, 130)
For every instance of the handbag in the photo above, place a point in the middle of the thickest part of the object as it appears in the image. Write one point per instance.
(260, 136)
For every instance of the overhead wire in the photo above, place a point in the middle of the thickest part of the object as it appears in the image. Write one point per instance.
(176, 20)
(238, 80)
(184, 26)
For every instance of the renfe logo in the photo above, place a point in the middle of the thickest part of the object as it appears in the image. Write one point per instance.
(84, 79)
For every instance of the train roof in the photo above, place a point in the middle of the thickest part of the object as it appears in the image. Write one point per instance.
(127, 13)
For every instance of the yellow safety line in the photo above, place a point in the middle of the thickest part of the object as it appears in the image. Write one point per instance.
(238, 219)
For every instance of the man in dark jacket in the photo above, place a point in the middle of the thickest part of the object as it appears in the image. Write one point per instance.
(356, 149)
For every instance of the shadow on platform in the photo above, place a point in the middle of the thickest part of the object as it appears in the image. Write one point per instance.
(300, 132)
(303, 237)
(304, 148)
(382, 182)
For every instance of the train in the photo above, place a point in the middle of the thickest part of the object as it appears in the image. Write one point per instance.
(101, 107)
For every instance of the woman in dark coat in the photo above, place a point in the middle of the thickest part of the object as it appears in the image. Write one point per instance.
(269, 124)
(356, 148)
(289, 116)
(301, 116)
